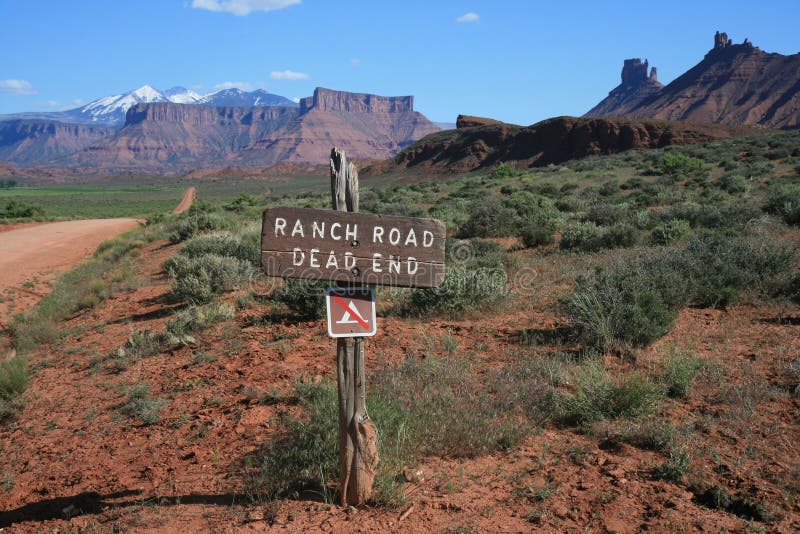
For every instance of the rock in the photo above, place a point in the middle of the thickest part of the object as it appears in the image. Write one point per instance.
(468, 121)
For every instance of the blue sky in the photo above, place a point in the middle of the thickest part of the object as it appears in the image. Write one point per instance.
(517, 61)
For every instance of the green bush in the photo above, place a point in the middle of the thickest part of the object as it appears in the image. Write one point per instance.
(675, 163)
(634, 303)
(604, 214)
(141, 406)
(670, 231)
(198, 280)
(597, 397)
(619, 236)
(680, 370)
(14, 379)
(194, 223)
(733, 184)
(194, 319)
(475, 253)
(534, 235)
(306, 298)
(489, 219)
(675, 468)
(784, 201)
(17, 209)
(720, 266)
(223, 245)
(463, 289)
(582, 236)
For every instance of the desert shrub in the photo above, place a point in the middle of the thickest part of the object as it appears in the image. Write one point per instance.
(141, 406)
(604, 214)
(675, 468)
(504, 170)
(720, 266)
(194, 318)
(784, 201)
(14, 379)
(223, 245)
(195, 222)
(533, 235)
(428, 406)
(733, 184)
(18, 209)
(582, 236)
(533, 209)
(670, 231)
(723, 215)
(489, 219)
(618, 236)
(675, 163)
(198, 280)
(242, 202)
(402, 208)
(306, 298)
(453, 212)
(634, 303)
(597, 397)
(475, 253)
(588, 237)
(680, 369)
(463, 288)
(302, 456)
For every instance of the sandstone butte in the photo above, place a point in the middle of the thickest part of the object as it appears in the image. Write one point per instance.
(168, 138)
(733, 84)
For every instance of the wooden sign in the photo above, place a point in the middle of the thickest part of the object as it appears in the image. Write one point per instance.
(353, 247)
(351, 312)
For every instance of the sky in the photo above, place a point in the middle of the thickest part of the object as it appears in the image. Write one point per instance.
(516, 61)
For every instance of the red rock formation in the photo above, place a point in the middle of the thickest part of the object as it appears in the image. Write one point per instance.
(24, 141)
(550, 141)
(733, 84)
(635, 88)
(170, 138)
(468, 121)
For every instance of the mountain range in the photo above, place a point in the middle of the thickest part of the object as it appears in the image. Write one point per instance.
(733, 84)
(173, 138)
(110, 110)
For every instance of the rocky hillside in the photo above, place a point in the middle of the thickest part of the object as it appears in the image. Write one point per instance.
(733, 84)
(170, 138)
(26, 142)
(482, 143)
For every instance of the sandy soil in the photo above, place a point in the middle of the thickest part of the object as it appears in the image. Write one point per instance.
(77, 465)
(33, 254)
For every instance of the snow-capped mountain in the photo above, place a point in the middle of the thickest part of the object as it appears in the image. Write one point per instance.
(110, 110)
(239, 98)
(182, 95)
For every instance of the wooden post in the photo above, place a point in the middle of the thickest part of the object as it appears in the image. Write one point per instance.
(358, 450)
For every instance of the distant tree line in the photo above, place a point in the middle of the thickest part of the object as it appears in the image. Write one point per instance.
(7, 184)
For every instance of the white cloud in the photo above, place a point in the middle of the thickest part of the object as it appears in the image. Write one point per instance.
(244, 86)
(242, 7)
(287, 75)
(355, 62)
(296, 99)
(468, 17)
(77, 101)
(16, 87)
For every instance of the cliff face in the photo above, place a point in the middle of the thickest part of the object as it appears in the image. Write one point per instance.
(636, 87)
(172, 138)
(551, 141)
(32, 141)
(733, 84)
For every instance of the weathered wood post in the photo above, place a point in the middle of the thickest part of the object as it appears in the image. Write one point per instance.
(358, 450)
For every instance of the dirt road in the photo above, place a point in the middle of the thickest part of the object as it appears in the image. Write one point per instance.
(188, 200)
(31, 255)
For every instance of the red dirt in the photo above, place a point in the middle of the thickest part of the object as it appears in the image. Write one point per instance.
(187, 201)
(71, 462)
(34, 254)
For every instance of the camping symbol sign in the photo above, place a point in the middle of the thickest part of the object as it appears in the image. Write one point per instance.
(351, 312)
